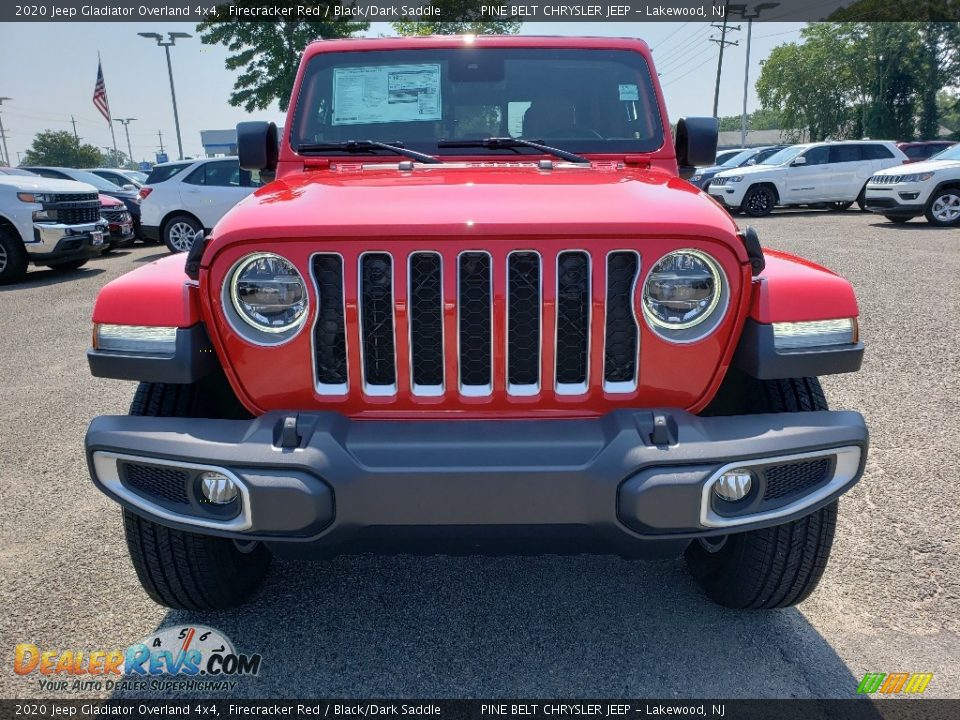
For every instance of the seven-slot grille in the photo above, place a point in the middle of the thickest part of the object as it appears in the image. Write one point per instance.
(885, 179)
(439, 363)
(719, 181)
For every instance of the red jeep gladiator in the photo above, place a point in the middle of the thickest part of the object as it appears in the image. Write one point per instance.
(478, 309)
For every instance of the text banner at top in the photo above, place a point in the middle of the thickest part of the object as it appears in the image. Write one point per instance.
(435, 11)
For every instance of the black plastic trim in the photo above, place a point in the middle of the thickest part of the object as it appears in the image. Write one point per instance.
(757, 356)
(193, 359)
(150, 232)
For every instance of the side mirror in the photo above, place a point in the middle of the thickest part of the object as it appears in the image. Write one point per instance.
(128, 186)
(799, 161)
(751, 161)
(257, 145)
(696, 143)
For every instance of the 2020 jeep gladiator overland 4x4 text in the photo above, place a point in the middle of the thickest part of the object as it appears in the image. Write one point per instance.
(478, 310)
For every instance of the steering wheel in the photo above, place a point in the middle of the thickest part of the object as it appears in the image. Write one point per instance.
(575, 131)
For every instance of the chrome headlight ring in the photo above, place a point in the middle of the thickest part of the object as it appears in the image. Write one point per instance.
(709, 315)
(282, 289)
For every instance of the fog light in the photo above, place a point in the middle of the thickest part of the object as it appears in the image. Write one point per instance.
(734, 485)
(218, 488)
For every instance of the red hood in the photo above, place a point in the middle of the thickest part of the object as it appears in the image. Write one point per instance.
(478, 200)
(108, 202)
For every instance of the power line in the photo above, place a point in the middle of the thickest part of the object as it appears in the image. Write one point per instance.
(680, 50)
(663, 42)
(691, 70)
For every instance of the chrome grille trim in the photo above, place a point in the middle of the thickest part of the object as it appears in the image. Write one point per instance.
(416, 389)
(385, 389)
(621, 386)
(524, 389)
(581, 387)
(474, 390)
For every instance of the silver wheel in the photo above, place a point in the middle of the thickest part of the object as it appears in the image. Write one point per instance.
(3, 258)
(946, 208)
(180, 235)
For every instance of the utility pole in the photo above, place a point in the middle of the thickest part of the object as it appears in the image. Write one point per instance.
(741, 10)
(160, 135)
(722, 42)
(166, 45)
(6, 153)
(75, 135)
(126, 126)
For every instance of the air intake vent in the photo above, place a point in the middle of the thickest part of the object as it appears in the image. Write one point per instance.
(475, 304)
(426, 323)
(523, 323)
(376, 324)
(330, 340)
(621, 333)
(573, 322)
(160, 483)
(797, 477)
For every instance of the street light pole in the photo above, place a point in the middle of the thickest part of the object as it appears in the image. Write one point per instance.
(126, 126)
(6, 153)
(742, 11)
(166, 45)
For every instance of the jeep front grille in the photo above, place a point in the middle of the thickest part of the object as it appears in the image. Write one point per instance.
(473, 321)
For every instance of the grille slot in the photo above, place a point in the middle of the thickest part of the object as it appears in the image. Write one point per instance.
(114, 216)
(475, 320)
(329, 334)
(523, 323)
(165, 483)
(573, 322)
(75, 216)
(796, 477)
(425, 296)
(621, 334)
(376, 324)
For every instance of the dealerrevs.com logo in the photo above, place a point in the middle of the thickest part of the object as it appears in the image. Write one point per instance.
(194, 657)
(894, 683)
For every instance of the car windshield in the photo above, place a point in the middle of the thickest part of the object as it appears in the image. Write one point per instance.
(577, 100)
(739, 159)
(951, 153)
(784, 156)
(98, 182)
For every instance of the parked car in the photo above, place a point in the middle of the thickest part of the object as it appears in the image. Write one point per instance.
(744, 158)
(130, 198)
(180, 198)
(482, 344)
(826, 173)
(724, 155)
(55, 223)
(119, 177)
(119, 222)
(930, 188)
(15, 171)
(923, 149)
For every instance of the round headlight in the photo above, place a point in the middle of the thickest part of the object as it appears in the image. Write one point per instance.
(268, 293)
(683, 290)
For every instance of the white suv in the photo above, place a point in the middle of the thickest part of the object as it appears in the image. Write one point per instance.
(827, 173)
(930, 188)
(182, 197)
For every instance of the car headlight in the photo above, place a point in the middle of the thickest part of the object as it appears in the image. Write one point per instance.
(32, 197)
(916, 177)
(268, 293)
(734, 178)
(685, 295)
(696, 178)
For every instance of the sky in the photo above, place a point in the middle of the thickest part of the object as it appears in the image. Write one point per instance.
(48, 71)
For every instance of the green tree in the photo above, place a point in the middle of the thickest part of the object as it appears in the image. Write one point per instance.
(115, 158)
(267, 54)
(60, 148)
(469, 21)
(760, 119)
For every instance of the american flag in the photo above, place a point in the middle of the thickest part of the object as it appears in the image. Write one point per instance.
(100, 94)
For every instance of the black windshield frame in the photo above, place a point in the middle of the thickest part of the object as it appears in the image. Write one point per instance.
(312, 118)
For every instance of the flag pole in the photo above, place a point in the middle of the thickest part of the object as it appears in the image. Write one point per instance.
(113, 134)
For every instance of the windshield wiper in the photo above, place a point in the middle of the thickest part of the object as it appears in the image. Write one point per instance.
(509, 143)
(359, 146)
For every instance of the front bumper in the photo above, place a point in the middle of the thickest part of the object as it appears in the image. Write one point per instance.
(907, 200)
(730, 195)
(55, 242)
(320, 484)
(121, 235)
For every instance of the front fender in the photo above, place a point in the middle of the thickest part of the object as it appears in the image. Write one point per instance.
(157, 294)
(791, 289)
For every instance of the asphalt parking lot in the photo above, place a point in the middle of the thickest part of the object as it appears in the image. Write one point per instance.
(523, 627)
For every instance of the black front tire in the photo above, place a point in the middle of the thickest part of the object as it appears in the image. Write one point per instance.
(186, 570)
(178, 232)
(13, 258)
(839, 206)
(773, 567)
(943, 209)
(758, 201)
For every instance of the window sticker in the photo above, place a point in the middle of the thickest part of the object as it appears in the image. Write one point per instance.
(629, 92)
(386, 93)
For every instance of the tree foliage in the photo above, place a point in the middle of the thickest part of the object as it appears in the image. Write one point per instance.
(857, 79)
(759, 119)
(267, 54)
(469, 21)
(60, 148)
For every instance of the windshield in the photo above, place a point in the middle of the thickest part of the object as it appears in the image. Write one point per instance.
(739, 159)
(577, 100)
(784, 156)
(98, 182)
(951, 153)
